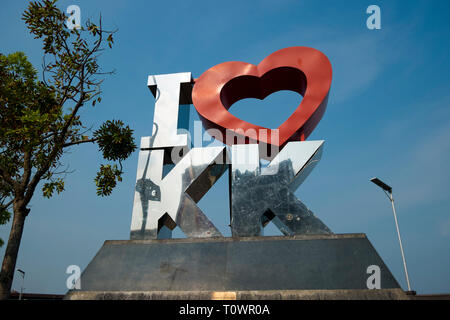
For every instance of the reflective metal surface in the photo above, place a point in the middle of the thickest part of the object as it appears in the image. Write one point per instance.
(171, 91)
(260, 195)
(163, 202)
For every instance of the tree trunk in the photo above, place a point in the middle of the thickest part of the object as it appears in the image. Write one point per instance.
(12, 250)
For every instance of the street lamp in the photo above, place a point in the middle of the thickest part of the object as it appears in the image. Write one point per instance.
(388, 191)
(23, 280)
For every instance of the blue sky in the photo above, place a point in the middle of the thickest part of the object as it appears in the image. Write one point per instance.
(388, 116)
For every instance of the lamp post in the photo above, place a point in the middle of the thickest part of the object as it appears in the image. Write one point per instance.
(388, 191)
(23, 280)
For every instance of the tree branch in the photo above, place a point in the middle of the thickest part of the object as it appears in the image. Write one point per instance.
(79, 142)
(26, 169)
(8, 179)
(5, 206)
(82, 74)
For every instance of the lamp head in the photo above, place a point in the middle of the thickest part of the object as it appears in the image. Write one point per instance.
(381, 184)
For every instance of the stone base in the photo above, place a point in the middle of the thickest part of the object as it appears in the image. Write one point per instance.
(299, 267)
(382, 294)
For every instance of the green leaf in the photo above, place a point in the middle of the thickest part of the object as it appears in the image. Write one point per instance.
(106, 179)
(50, 187)
(115, 140)
(4, 216)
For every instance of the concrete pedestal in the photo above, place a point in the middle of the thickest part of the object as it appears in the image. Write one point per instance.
(298, 267)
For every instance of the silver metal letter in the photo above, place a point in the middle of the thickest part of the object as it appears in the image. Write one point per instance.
(163, 202)
(260, 195)
(170, 91)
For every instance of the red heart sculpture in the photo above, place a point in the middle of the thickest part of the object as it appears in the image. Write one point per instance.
(300, 69)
